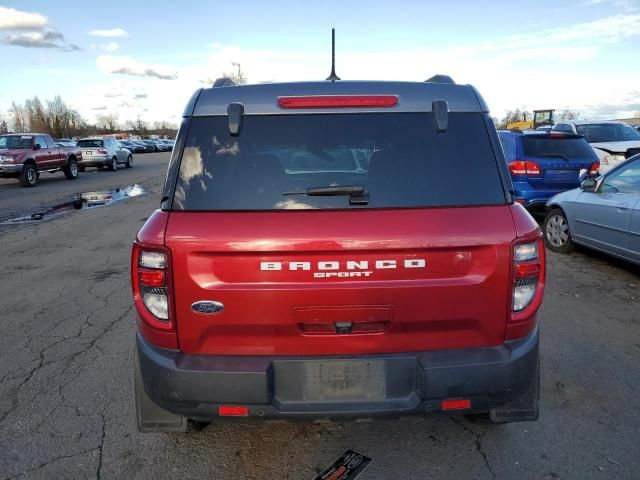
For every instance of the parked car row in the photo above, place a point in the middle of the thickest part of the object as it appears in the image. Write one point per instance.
(146, 146)
(26, 155)
(584, 178)
(134, 146)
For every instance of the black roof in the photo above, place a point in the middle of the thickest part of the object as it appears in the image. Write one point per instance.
(262, 98)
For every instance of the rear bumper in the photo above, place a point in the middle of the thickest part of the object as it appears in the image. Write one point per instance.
(95, 161)
(535, 200)
(274, 387)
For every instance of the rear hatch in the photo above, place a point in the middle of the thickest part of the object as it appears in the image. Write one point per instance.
(91, 147)
(559, 158)
(419, 260)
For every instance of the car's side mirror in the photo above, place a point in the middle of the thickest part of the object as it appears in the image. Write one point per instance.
(583, 175)
(37, 146)
(588, 185)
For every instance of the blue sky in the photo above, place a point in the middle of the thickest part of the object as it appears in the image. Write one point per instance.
(128, 58)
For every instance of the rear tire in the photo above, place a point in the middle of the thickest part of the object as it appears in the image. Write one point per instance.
(71, 169)
(113, 166)
(555, 228)
(129, 163)
(29, 175)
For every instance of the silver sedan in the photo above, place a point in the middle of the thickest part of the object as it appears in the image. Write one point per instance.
(603, 214)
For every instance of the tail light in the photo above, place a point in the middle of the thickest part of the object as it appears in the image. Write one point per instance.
(593, 169)
(102, 151)
(338, 101)
(528, 282)
(151, 283)
(522, 167)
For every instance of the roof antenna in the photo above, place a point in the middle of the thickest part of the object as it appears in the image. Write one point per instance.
(333, 77)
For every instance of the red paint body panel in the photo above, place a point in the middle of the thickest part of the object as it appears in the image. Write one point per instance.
(461, 298)
(153, 230)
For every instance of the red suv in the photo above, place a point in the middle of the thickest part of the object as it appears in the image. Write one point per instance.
(334, 250)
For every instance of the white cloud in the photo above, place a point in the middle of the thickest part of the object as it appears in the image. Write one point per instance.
(111, 33)
(131, 66)
(608, 30)
(107, 47)
(12, 19)
(551, 68)
(47, 38)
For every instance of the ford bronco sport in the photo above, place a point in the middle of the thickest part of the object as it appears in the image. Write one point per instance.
(333, 250)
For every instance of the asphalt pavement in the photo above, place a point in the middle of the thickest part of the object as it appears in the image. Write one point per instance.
(66, 386)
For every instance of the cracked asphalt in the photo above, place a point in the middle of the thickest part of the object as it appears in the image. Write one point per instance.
(66, 386)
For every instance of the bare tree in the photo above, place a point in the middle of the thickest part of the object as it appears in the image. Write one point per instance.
(568, 115)
(108, 123)
(38, 119)
(238, 77)
(20, 120)
(4, 128)
(138, 127)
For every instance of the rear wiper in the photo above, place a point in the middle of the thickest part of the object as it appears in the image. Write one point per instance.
(554, 155)
(358, 194)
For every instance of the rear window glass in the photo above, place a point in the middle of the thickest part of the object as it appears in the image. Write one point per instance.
(570, 148)
(90, 143)
(608, 132)
(16, 142)
(398, 157)
(508, 142)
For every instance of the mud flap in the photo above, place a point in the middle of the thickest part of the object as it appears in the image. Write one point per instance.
(524, 409)
(149, 416)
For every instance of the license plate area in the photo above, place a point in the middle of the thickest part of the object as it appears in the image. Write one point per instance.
(340, 380)
(564, 175)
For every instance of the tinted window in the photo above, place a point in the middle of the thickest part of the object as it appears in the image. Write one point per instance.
(571, 148)
(17, 142)
(563, 127)
(624, 180)
(398, 157)
(608, 132)
(508, 142)
(91, 143)
(41, 141)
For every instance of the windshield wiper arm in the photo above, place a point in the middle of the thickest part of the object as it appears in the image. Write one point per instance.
(358, 194)
(555, 155)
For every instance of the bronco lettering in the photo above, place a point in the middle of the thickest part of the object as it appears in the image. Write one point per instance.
(348, 265)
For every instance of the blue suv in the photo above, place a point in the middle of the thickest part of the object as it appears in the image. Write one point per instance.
(544, 164)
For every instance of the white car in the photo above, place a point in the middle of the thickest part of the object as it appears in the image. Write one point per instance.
(613, 142)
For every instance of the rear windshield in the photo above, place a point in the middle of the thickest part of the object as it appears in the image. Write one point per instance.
(90, 143)
(569, 148)
(16, 142)
(397, 157)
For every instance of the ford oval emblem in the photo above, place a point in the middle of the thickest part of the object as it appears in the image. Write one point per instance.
(207, 307)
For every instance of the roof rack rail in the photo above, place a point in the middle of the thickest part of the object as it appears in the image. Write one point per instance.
(439, 79)
(224, 82)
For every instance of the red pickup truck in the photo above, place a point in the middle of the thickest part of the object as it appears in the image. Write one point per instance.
(25, 155)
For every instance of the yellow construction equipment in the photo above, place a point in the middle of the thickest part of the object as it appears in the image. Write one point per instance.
(540, 118)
